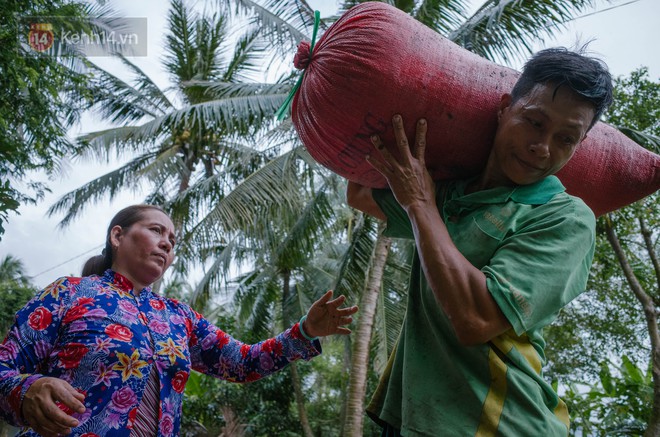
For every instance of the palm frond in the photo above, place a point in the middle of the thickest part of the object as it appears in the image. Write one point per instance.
(441, 15)
(240, 208)
(220, 90)
(247, 59)
(504, 29)
(392, 302)
(285, 23)
(108, 185)
(214, 277)
(210, 34)
(121, 140)
(236, 114)
(181, 53)
(649, 141)
(355, 263)
(118, 101)
(255, 294)
(143, 83)
(303, 238)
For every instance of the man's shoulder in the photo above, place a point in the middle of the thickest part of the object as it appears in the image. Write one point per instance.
(566, 214)
(569, 204)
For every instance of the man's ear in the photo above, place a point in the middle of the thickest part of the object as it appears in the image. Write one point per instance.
(505, 102)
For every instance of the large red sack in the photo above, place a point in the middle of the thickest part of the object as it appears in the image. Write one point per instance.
(376, 61)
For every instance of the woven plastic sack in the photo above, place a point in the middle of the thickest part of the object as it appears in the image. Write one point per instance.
(376, 61)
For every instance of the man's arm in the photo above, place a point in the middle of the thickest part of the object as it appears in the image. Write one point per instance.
(457, 285)
(360, 197)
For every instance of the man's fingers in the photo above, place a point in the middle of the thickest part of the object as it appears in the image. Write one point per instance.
(400, 135)
(384, 152)
(378, 165)
(420, 140)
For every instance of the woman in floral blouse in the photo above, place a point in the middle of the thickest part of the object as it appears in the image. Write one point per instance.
(103, 355)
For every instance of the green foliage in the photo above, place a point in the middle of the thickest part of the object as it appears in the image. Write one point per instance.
(41, 97)
(267, 407)
(637, 103)
(609, 317)
(15, 291)
(618, 404)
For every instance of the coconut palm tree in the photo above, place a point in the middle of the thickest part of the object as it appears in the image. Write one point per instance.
(177, 138)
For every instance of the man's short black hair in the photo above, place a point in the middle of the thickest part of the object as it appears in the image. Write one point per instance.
(587, 76)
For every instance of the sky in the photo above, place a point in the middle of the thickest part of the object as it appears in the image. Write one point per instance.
(626, 37)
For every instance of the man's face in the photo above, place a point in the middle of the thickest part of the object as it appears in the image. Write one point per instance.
(538, 134)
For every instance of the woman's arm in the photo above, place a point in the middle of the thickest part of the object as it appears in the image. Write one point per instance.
(26, 396)
(219, 354)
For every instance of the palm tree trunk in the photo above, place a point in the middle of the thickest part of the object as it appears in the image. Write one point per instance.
(360, 356)
(295, 377)
(300, 401)
(648, 306)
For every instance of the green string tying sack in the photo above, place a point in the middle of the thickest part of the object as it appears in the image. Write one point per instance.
(301, 61)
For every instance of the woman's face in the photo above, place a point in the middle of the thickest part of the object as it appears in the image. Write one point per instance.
(144, 250)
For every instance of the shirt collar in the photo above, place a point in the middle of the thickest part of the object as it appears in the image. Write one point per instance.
(120, 281)
(538, 193)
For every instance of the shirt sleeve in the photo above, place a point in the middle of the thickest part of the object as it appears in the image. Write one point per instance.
(218, 354)
(26, 348)
(539, 269)
(398, 222)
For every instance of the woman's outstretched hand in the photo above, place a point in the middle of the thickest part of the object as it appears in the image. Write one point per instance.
(45, 403)
(326, 318)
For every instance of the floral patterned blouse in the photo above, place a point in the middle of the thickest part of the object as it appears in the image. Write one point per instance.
(95, 333)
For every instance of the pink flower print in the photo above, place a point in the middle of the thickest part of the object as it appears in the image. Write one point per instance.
(78, 326)
(8, 351)
(42, 349)
(113, 420)
(169, 407)
(167, 425)
(128, 307)
(102, 345)
(123, 399)
(83, 417)
(162, 365)
(103, 375)
(97, 313)
(177, 319)
(159, 327)
(266, 362)
(209, 341)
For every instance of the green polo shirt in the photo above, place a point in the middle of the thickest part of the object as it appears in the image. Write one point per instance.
(535, 244)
